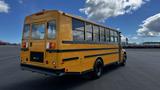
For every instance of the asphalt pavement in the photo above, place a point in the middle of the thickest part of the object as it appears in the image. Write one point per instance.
(142, 72)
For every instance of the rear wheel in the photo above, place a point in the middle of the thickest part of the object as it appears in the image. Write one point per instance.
(97, 69)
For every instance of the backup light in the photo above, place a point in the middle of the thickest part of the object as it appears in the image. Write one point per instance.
(50, 45)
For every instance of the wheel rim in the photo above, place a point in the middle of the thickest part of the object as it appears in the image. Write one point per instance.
(99, 69)
(124, 59)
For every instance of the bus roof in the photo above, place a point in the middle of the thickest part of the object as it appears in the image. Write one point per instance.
(73, 16)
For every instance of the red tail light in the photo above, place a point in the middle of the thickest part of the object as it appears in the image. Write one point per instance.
(25, 45)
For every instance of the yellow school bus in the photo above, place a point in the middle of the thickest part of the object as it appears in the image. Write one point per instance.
(56, 43)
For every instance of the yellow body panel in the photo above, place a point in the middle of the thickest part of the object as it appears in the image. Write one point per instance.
(64, 33)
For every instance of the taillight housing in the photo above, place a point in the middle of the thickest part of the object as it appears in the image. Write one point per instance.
(25, 45)
(50, 45)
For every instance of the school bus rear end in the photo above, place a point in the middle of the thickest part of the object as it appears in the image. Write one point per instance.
(40, 34)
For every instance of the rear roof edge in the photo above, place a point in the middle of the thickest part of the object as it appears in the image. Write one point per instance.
(72, 16)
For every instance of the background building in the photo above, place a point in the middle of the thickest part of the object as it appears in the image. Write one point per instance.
(151, 43)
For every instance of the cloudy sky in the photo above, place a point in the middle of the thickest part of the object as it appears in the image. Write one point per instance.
(139, 20)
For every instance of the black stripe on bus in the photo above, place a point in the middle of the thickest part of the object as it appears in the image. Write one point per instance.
(75, 50)
(88, 42)
(69, 59)
(24, 49)
(95, 55)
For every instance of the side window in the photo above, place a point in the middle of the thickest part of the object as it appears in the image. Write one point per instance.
(88, 33)
(112, 36)
(102, 34)
(116, 36)
(78, 30)
(51, 29)
(96, 33)
(107, 35)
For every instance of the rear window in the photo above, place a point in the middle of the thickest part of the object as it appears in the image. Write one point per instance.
(51, 29)
(38, 31)
(26, 31)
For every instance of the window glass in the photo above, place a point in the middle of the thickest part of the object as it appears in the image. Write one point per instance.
(78, 35)
(115, 33)
(107, 35)
(112, 39)
(78, 30)
(26, 31)
(96, 33)
(115, 36)
(77, 25)
(88, 36)
(102, 34)
(88, 32)
(111, 33)
(38, 31)
(51, 29)
(116, 39)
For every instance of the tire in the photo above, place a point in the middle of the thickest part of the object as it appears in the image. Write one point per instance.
(124, 60)
(97, 69)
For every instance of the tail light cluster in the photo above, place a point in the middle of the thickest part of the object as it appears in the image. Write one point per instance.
(50, 45)
(25, 45)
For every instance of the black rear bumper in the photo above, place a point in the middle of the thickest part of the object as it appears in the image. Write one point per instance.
(52, 72)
